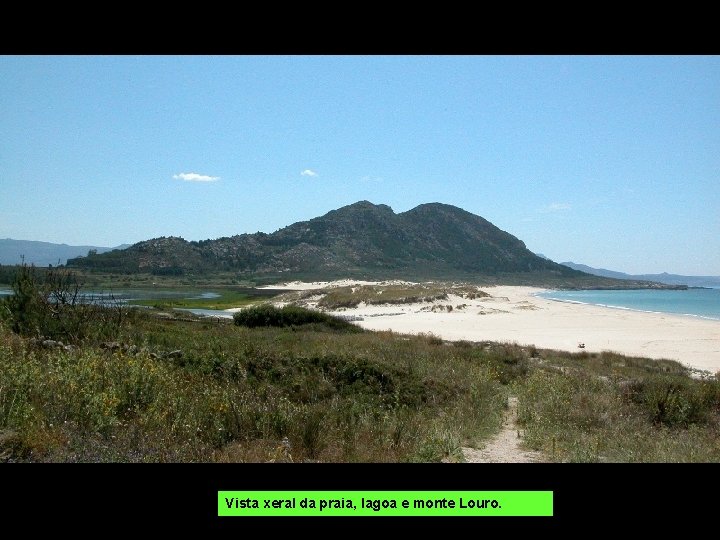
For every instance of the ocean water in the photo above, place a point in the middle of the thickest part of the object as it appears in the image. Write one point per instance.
(704, 303)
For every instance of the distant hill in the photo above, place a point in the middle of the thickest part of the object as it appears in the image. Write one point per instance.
(669, 279)
(43, 253)
(359, 240)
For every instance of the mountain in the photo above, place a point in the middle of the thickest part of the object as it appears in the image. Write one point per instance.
(359, 240)
(669, 279)
(43, 253)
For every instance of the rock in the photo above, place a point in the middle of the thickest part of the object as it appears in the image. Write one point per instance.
(110, 345)
(50, 343)
(174, 354)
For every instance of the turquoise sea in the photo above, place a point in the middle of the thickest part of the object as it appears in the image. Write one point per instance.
(704, 303)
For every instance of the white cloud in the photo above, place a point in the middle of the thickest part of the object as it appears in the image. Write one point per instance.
(368, 178)
(308, 172)
(557, 207)
(194, 177)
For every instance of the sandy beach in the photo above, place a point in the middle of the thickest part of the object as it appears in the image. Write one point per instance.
(513, 314)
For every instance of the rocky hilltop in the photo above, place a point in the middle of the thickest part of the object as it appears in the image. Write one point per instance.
(359, 240)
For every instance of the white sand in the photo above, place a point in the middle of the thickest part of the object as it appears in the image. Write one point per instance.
(303, 286)
(514, 315)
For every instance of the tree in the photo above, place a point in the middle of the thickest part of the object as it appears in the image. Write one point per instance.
(22, 308)
(52, 306)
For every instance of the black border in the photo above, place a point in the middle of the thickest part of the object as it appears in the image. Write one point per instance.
(140, 498)
(362, 29)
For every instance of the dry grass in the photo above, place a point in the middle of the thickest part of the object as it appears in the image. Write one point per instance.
(351, 296)
(235, 393)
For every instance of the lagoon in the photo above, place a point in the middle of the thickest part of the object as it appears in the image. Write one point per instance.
(126, 297)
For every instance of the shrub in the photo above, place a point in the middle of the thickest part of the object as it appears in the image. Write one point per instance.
(675, 401)
(52, 305)
(267, 315)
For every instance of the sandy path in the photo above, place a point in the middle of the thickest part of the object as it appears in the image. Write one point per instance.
(505, 446)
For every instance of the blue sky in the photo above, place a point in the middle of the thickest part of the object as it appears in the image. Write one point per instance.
(612, 161)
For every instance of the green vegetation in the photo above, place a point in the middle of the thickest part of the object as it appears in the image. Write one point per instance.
(340, 297)
(270, 316)
(146, 280)
(296, 385)
(169, 390)
(195, 391)
(611, 408)
(49, 304)
(8, 273)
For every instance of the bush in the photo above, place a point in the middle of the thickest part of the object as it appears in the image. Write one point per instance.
(676, 401)
(51, 305)
(267, 315)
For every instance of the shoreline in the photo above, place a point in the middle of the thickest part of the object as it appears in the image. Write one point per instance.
(704, 317)
(514, 314)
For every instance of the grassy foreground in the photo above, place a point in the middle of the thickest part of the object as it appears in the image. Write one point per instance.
(612, 408)
(195, 391)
